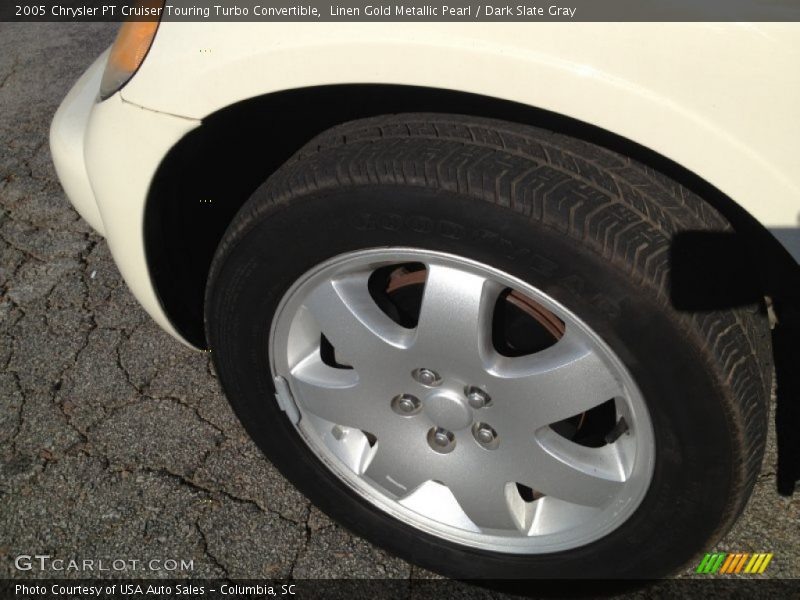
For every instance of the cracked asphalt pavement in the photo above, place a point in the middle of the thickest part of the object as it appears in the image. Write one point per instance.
(115, 440)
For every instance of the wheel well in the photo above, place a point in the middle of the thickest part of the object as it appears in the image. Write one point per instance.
(213, 170)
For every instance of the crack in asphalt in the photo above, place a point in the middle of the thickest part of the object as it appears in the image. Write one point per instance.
(207, 551)
(301, 551)
(20, 409)
(11, 73)
(24, 251)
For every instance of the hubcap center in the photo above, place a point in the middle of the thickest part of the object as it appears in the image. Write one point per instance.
(448, 410)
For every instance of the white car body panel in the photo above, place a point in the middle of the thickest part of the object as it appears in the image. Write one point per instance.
(106, 155)
(719, 99)
(124, 146)
(67, 137)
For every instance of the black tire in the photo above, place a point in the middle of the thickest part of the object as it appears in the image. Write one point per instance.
(589, 227)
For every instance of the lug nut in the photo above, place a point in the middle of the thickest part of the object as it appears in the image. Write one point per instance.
(441, 440)
(406, 405)
(477, 397)
(426, 377)
(485, 435)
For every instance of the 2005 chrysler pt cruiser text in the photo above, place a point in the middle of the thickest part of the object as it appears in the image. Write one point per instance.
(459, 281)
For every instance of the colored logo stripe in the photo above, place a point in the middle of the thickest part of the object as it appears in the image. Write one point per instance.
(711, 563)
(727, 564)
(759, 563)
(736, 564)
(742, 562)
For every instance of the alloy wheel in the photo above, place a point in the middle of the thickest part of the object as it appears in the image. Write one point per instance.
(461, 400)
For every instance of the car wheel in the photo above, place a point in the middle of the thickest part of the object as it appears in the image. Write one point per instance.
(455, 336)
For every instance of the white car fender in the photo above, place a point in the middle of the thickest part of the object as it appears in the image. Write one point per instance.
(139, 139)
(719, 99)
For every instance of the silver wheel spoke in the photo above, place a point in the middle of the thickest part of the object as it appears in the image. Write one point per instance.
(562, 381)
(575, 473)
(398, 466)
(549, 514)
(337, 395)
(454, 327)
(485, 502)
(349, 444)
(361, 333)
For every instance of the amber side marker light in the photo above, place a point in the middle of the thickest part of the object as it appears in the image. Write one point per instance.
(129, 50)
